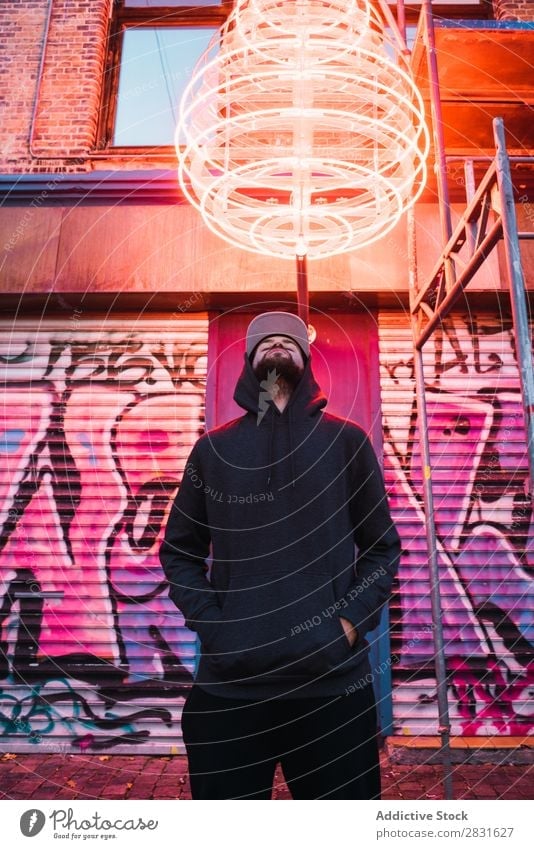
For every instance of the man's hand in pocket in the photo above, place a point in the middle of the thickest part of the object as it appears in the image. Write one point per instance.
(351, 632)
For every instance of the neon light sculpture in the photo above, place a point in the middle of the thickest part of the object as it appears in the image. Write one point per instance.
(301, 131)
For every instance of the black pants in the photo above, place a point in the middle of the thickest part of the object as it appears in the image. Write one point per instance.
(327, 747)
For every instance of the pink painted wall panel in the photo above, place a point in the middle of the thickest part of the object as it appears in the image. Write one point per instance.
(98, 420)
(484, 526)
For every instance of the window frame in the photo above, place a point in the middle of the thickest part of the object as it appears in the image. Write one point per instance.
(136, 17)
(480, 10)
(165, 16)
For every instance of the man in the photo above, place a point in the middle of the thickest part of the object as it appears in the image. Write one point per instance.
(282, 494)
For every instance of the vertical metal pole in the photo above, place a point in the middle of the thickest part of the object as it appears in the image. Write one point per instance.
(401, 19)
(392, 24)
(430, 526)
(516, 282)
(438, 136)
(302, 289)
(428, 498)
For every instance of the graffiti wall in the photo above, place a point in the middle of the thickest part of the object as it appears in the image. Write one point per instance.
(97, 424)
(485, 530)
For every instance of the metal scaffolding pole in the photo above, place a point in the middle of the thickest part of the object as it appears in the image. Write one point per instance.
(438, 135)
(516, 282)
(440, 664)
(431, 538)
(430, 304)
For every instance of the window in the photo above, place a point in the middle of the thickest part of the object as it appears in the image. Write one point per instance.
(153, 49)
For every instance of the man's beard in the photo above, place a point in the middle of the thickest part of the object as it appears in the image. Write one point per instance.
(287, 371)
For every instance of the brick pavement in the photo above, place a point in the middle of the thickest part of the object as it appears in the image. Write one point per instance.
(81, 776)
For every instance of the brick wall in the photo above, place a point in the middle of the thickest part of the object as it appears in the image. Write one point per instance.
(71, 82)
(514, 10)
(70, 89)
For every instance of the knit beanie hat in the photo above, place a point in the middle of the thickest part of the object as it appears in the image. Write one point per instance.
(277, 324)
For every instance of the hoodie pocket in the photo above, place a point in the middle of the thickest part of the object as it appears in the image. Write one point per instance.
(279, 625)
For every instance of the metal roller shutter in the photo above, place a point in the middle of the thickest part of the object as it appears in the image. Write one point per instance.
(483, 520)
(99, 418)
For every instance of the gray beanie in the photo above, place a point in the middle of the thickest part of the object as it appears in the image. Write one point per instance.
(277, 324)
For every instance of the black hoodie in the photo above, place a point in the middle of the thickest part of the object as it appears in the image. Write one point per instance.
(283, 498)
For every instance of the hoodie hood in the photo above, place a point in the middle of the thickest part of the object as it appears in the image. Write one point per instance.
(306, 401)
